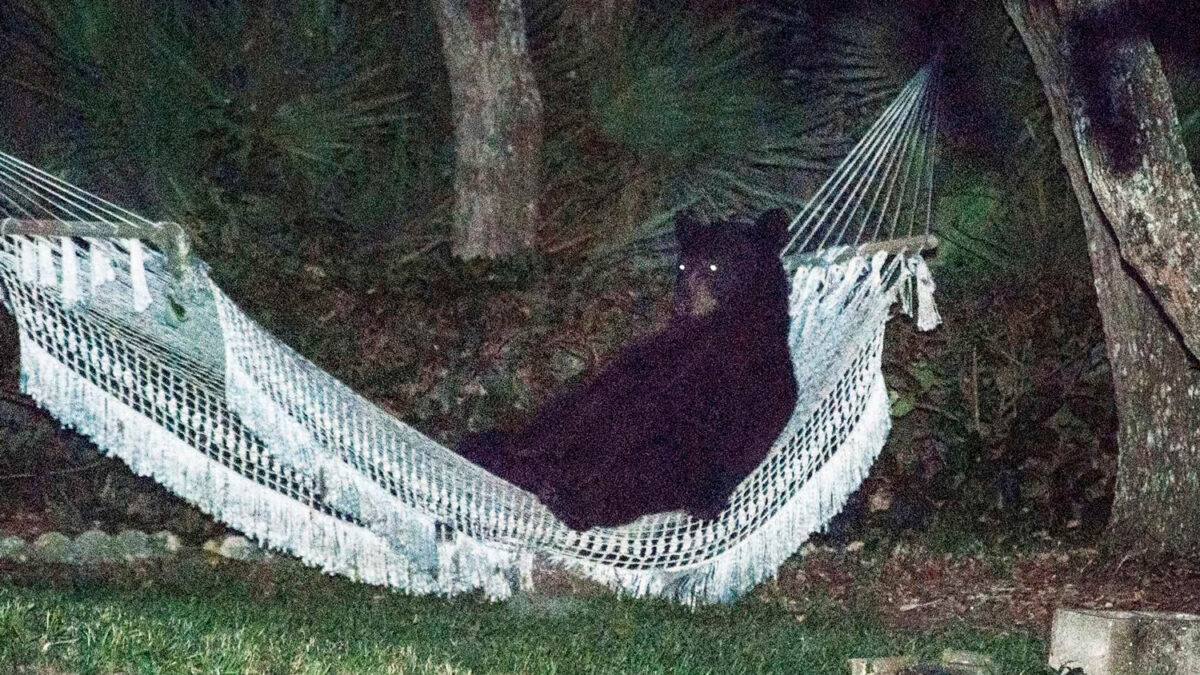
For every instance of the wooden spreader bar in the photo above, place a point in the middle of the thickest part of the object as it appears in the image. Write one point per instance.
(168, 237)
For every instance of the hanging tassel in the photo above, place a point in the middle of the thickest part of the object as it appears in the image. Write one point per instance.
(70, 273)
(878, 265)
(45, 261)
(137, 275)
(102, 270)
(27, 252)
(904, 288)
(927, 314)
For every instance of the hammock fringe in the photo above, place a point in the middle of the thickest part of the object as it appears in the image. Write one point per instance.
(306, 426)
(273, 520)
(229, 418)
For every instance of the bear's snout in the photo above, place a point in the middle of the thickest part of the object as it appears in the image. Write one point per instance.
(698, 298)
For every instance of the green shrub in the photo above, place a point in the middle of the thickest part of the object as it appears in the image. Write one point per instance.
(245, 115)
(143, 105)
(683, 110)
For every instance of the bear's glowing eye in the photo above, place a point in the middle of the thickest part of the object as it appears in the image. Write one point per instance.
(712, 268)
(682, 268)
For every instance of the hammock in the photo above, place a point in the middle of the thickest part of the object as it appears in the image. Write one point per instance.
(140, 351)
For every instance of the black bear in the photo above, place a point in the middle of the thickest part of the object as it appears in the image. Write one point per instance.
(678, 419)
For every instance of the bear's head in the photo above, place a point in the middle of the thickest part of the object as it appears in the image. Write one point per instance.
(729, 265)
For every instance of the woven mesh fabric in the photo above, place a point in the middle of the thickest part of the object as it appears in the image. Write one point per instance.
(234, 420)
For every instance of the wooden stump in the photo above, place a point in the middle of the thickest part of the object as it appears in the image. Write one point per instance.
(1110, 642)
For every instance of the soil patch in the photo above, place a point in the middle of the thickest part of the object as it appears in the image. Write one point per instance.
(922, 591)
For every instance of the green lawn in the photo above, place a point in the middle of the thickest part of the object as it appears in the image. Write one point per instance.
(201, 619)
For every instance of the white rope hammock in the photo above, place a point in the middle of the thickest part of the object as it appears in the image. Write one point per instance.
(234, 421)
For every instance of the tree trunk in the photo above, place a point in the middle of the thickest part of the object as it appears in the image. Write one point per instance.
(1140, 220)
(497, 126)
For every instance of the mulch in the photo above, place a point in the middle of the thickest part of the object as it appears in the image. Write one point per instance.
(920, 591)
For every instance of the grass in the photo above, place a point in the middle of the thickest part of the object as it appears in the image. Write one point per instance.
(216, 620)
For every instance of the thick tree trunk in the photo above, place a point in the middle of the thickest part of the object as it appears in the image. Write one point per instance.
(1140, 221)
(497, 125)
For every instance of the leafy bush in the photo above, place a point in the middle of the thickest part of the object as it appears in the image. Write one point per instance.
(689, 100)
(1006, 211)
(683, 109)
(142, 104)
(236, 112)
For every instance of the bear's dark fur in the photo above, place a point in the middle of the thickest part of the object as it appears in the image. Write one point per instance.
(678, 419)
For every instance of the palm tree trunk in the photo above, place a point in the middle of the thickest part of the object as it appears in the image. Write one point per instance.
(497, 126)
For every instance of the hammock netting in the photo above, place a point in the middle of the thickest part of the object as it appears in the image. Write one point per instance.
(231, 419)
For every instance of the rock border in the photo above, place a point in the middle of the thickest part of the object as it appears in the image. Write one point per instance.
(96, 547)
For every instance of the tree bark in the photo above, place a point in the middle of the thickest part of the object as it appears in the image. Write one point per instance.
(1141, 223)
(497, 126)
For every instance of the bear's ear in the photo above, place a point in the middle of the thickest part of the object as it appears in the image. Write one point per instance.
(687, 227)
(773, 228)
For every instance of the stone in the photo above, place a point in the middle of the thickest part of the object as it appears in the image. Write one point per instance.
(94, 546)
(958, 662)
(133, 545)
(543, 604)
(888, 665)
(1115, 642)
(240, 548)
(13, 548)
(52, 547)
(165, 543)
(880, 500)
(566, 364)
